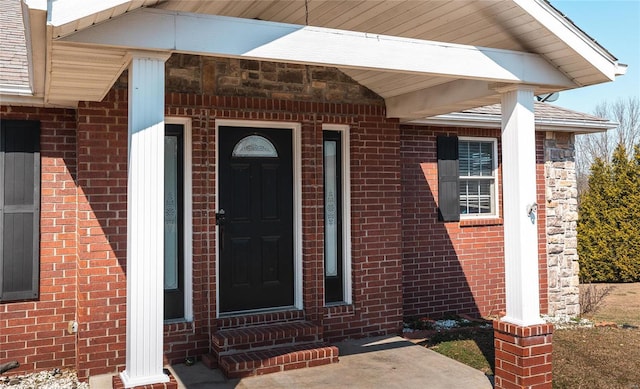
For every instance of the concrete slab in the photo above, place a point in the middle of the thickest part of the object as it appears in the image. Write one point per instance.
(384, 362)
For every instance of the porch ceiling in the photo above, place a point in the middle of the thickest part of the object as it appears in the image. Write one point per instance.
(522, 26)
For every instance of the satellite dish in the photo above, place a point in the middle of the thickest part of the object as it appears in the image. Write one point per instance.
(548, 97)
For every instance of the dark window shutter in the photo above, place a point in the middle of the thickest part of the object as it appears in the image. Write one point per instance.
(19, 209)
(448, 179)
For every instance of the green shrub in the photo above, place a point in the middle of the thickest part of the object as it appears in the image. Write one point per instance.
(609, 222)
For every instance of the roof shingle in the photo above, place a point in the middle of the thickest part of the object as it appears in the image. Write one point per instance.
(14, 63)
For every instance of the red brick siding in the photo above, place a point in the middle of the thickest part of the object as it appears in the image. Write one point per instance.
(102, 211)
(34, 333)
(375, 216)
(375, 201)
(452, 267)
(395, 232)
(523, 355)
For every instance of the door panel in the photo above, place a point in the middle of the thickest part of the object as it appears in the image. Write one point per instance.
(256, 237)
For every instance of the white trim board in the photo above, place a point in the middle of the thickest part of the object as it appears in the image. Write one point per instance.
(188, 214)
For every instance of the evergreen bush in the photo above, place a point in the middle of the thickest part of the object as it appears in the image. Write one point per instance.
(609, 222)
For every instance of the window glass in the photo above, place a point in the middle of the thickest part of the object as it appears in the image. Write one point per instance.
(333, 227)
(477, 176)
(171, 233)
(255, 146)
(174, 278)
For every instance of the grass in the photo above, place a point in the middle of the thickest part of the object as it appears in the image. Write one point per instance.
(471, 346)
(601, 357)
(621, 306)
(596, 358)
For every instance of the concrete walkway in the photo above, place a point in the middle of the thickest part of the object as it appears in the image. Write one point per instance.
(387, 362)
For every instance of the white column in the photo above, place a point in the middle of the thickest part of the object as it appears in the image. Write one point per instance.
(519, 196)
(145, 234)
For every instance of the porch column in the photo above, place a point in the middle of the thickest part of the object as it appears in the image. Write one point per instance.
(519, 203)
(145, 234)
(523, 342)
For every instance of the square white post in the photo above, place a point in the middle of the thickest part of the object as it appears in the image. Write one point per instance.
(145, 212)
(520, 208)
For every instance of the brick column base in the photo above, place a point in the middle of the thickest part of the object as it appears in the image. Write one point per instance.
(523, 355)
(116, 383)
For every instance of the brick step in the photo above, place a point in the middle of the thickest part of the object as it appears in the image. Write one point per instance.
(277, 359)
(259, 319)
(254, 338)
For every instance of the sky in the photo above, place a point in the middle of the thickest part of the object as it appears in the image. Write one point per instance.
(615, 24)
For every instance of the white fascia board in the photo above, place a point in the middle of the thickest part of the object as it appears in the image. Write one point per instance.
(162, 30)
(477, 120)
(573, 36)
(66, 11)
(10, 98)
(33, 101)
(36, 40)
(36, 4)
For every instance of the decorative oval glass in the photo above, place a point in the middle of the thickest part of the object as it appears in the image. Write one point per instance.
(255, 146)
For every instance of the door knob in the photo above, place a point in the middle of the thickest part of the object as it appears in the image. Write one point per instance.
(220, 218)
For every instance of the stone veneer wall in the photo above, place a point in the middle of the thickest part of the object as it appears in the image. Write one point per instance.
(562, 218)
(215, 76)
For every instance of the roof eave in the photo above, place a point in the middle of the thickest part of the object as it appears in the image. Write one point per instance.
(564, 29)
(476, 120)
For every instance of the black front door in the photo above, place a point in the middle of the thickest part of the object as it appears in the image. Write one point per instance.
(255, 218)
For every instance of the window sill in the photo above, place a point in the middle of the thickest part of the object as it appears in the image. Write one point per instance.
(481, 222)
(175, 326)
(339, 309)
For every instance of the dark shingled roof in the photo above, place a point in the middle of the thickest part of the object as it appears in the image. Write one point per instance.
(543, 111)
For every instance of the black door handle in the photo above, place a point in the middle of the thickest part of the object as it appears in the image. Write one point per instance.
(220, 222)
(220, 218)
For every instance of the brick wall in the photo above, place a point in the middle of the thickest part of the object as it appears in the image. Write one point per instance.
(523, 356)
(102, 239)
(222, 88)
(34, 333)
(84, 226)
(400, 252)
(376, 232)
(375, 200)
(452, 267)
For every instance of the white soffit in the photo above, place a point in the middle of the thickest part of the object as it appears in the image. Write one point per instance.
(517, 26)
(149, 29)
(68, 16)
(573, 38)
(83, 73)
(425, 63)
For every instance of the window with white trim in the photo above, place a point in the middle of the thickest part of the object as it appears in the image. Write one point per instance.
(337, 211)
(467, 178)
(477, 161)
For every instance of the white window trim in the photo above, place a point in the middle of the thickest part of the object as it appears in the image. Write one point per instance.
(296, 139)
(346, 212)
(496, 178)
(187, 217)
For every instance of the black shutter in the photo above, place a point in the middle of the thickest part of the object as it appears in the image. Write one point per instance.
(19, 209)
(448, 179)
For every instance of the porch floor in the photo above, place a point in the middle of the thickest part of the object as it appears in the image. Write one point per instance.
(383, 362)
